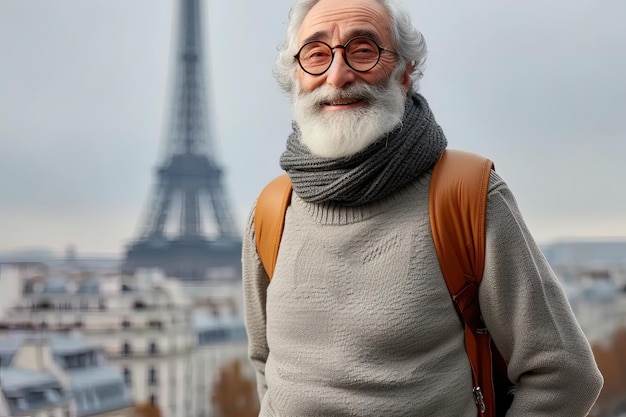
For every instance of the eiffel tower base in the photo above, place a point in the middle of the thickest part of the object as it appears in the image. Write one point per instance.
(196, 260)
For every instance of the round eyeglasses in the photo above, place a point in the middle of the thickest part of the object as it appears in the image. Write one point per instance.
(360, 53)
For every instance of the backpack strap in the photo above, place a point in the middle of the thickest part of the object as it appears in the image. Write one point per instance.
(269, 220)
(458, 202)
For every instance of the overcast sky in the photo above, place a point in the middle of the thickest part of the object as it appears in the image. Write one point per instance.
(85, 84)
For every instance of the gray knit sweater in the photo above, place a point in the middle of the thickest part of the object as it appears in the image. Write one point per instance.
(357, 320)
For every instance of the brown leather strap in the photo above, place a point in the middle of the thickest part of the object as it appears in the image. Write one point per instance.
(269, 220)
(458, 201)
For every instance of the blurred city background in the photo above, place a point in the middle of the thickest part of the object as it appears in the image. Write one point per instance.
(135, 136)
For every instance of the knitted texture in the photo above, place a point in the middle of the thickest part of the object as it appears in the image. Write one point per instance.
(391, 162)
(357, 320)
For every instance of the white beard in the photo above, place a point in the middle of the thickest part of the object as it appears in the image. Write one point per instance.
(337, 134)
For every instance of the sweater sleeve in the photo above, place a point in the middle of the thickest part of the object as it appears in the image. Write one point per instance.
(530, 319)
(255, 282)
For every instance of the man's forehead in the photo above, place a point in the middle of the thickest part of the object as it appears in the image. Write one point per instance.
(345, 19)
(323, 35)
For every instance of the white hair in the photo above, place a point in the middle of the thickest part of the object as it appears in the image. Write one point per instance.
(408, 42)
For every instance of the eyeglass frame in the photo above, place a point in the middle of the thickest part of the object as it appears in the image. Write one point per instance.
(343, 47)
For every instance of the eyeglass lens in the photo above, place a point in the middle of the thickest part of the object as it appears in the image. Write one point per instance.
(361, 54)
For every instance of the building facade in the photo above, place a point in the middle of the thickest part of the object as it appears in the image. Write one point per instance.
(221, 345)
(167, 350)
(94, 386)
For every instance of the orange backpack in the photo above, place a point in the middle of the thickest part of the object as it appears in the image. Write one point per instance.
(457, 203)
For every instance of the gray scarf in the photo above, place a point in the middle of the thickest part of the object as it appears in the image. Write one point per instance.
(391, 162)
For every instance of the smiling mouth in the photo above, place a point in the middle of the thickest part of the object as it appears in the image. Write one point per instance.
(342, 102)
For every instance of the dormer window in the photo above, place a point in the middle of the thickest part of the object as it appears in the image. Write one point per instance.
(54, 394)
(35, 397)
(18, 402)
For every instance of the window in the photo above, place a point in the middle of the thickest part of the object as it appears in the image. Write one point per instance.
(152, 376)
(153, 348)
(36, 397)
(125, 324)
(29, 287)
(127, 350)
(18, 402)
(155, 324)
(70, 361)
(153, 399)
(110, 391)
(214, 335)
(128, 380)
(81, 360)
(54, 394)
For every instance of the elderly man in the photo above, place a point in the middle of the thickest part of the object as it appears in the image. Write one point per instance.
(357, 320)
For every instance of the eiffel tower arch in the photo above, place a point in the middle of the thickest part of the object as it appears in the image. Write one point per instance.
(188, 230)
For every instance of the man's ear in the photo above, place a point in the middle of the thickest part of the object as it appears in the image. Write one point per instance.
(405, 78)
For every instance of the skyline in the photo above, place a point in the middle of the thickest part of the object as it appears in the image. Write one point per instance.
(85, 89)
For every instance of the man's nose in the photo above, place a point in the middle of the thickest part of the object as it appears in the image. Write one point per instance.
(340, 74)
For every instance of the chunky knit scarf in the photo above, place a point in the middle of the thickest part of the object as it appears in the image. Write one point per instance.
(391, 162)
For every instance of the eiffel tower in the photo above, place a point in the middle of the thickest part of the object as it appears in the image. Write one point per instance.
(189, 231)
